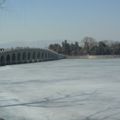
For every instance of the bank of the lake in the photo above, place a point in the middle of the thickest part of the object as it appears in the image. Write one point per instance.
(93, 57)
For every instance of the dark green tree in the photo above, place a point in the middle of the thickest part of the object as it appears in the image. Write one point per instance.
(66, 47)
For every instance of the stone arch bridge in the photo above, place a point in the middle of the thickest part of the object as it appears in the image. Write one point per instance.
(27, 55)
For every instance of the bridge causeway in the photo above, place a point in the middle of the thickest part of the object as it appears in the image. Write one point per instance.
(27, 55)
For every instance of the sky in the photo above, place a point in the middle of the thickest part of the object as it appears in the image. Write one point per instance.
(40, 22)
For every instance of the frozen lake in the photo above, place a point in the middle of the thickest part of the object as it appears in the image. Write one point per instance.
(70, 89)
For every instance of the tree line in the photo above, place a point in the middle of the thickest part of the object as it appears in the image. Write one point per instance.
(87, 46)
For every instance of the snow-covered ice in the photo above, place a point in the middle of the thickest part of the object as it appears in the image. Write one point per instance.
(70, 89)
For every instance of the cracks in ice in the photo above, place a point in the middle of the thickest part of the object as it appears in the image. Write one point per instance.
(37, 81)
(104, 114)
(62, 101)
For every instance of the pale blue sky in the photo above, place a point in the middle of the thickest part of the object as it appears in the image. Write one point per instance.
(43, 21)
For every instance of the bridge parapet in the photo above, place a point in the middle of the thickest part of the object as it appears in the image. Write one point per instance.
(27, 55)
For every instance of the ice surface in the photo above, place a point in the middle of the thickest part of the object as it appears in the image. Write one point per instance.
(74, 89)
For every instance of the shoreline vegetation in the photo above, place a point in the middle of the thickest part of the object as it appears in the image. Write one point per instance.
(88, 47)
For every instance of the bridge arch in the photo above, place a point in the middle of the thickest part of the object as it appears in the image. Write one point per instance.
(38, 55)
(8, 59)
(13, 58)
(33, 56)
(29, 56)
(2, 60)
(46, 55)
(18, 57)
(42, 55)
(24, 56)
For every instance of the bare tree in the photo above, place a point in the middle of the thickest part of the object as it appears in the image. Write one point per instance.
(88, 44)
